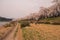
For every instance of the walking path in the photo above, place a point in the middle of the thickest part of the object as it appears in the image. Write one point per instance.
(18, 34)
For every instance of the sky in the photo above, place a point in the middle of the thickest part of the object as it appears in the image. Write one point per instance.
(21, 8)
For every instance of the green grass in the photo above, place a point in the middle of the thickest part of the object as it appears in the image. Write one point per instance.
(52, 19)
(55, 21)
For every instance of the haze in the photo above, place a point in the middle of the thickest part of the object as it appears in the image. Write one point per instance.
(21, 8)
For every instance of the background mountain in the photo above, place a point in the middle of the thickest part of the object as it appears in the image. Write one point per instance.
(5, 19)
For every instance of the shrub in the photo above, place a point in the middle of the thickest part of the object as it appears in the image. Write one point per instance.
(24, 24)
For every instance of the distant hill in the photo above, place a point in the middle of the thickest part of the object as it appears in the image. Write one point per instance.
(5, 19)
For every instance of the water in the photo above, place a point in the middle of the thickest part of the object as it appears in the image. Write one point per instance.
(2, 23)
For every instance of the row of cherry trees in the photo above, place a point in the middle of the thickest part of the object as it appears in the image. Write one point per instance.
(52, 11)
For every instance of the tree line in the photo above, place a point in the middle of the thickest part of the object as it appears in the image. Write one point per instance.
(53, 11)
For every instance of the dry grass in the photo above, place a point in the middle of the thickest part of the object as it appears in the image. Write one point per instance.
(4, 30)
(41, 32)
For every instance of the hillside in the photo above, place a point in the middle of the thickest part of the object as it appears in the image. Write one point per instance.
(41, 32)
(5, 19)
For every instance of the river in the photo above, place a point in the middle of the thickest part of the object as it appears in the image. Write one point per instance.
(2, 23)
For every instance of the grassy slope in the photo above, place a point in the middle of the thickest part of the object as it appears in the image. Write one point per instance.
(41, 32)
(55, 19)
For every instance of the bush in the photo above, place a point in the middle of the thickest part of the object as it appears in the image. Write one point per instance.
(24, 24)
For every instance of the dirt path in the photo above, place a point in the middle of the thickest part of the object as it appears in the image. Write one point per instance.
(10, 36)
(15, 32)
(19, 33)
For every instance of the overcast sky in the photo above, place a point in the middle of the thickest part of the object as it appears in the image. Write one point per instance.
(21, 8)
